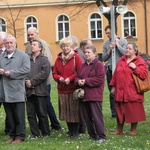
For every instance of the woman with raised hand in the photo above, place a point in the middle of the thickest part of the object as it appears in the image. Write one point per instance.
(129, 103)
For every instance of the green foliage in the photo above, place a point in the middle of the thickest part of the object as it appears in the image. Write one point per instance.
(59, 141)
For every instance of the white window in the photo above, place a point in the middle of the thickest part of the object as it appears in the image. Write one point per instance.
(30, 22)
(2, 25)
(129, 25)
(63, 27)
(95, 26)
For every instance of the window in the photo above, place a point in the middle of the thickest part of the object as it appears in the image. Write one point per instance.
(129, 25)
(30, 22)
(95, 26)
(63, 27)
(2, 25)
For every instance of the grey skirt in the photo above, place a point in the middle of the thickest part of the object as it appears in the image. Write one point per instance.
(68, 108)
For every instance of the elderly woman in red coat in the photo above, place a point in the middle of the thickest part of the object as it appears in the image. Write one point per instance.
(129, 103)
(64, 73)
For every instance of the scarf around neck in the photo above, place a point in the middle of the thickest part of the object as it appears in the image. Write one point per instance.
(67, 57)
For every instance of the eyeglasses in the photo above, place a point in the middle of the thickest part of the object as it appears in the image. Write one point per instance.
(108, 32)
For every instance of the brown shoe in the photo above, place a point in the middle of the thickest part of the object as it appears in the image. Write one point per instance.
(17, 141)
(9, 141)
(117, 132)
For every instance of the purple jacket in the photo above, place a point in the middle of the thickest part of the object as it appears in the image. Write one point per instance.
(94, 82)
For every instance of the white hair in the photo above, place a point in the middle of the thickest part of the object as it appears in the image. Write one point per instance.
(3, 35)
(10, 36)
(34, 29)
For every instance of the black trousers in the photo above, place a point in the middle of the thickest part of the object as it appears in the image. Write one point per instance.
(37, 110)
(15, 113)
(111, 97)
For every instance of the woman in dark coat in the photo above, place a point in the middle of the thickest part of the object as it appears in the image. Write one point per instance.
(129, 103)
(91, 77)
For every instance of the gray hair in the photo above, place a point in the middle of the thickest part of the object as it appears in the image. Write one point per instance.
(135, 47)
(74, 40)
(10, 36)
(93, 48)
(34, 29)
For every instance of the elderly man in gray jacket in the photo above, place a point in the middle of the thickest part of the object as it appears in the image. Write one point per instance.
(14, 67)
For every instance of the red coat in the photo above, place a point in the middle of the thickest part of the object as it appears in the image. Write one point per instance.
(66, 71)
(123, 82)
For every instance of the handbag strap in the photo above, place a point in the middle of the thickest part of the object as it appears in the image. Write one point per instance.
(92, 68)
(74, 61)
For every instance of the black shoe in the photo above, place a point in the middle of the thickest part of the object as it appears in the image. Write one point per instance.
(81, 131)
(55, 129)
(92, 139)
(113, 116)
(46, 136)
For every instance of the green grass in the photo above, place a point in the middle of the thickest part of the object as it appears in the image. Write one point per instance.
(59, 141)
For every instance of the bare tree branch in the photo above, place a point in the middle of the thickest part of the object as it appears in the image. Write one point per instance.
(13, 17)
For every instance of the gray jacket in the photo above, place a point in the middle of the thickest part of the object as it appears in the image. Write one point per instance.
(119, 51)
(12, 89)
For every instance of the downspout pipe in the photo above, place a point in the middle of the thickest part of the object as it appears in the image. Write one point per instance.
(146, 35)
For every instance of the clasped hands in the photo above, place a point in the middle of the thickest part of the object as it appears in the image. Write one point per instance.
(81, 82)
(28, 83)
(6, 73)
(66, 81)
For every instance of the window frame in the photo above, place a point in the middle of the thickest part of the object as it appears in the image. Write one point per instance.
(63, 22)
(3, 25)
(95, 20)
(31, 24)
(129, 21)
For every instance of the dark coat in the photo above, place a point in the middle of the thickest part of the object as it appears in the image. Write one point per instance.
(40, 69)
(94, 84)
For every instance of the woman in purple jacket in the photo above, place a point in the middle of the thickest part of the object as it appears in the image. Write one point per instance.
(91, 77)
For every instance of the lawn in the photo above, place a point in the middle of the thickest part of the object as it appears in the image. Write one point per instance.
(59, 141)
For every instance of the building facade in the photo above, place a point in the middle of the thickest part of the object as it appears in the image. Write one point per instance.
(57, 19)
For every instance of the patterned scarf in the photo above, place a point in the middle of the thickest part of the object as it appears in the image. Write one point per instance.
(67, 57)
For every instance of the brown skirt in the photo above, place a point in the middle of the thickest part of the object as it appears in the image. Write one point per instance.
(130, 112)
(68, 108)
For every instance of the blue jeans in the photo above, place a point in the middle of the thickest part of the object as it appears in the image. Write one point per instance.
(51, 112)
(111, 97)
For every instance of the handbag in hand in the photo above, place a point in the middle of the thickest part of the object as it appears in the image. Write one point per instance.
(79, 92)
